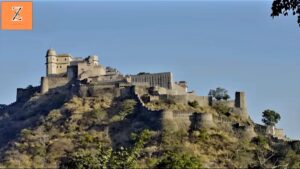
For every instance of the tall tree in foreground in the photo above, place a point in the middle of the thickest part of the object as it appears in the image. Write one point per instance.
(283, 7)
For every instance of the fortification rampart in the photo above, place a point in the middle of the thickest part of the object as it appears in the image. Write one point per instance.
(202, 100)
(89, 78)
(170, 118)
(228, 103)
(99, 90)
(26, 94)
(177, 90)
(275, 132)
(95, 90)
(184, 99)
(48, 83)
(202, 121)
(157, 79)
(153, 116)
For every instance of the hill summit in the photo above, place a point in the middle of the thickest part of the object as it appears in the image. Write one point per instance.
(86, 115)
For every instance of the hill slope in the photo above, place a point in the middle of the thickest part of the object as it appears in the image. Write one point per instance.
(63, 130)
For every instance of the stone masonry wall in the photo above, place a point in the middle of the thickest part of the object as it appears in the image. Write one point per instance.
(278, 133)
(184, 99)
(86, 70)
(157, 79)
(229, 103)
(54, 82)
(26, 94)
(48, 83)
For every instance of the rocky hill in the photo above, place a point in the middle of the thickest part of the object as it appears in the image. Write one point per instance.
(67, 130)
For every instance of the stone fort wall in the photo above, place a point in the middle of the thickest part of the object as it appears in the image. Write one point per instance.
(184, 99)
(49, 82)
(86, 70)
(228, 103)
(156, 79)
(99, 90)
(278, 133)
(175, 120)
(26, 94)
(177, 90)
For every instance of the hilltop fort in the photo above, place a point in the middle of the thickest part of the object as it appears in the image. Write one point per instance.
(81, 105)
(63, 69)
(88, 77)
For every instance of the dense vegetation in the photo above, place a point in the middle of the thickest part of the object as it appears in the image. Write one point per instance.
(105, 132)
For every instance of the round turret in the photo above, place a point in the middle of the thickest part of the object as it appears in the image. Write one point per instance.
(51, 62)
(203, 120)
(51, 52)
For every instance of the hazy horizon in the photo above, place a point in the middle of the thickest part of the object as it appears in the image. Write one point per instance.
(235, 45)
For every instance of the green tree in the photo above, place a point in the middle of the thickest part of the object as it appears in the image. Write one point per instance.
(80, 160)
(174, 160)
(83, 159)
(104, 157)
(296, 146)
(219, 94)
(282, 7)
(270, 117)
(127, 158)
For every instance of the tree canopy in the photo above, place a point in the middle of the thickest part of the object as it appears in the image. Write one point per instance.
(219, 94)
(105, 157)
(175, 160)
(282, 7)
(270, 117)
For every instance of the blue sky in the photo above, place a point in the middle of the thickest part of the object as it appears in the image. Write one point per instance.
(232, 44)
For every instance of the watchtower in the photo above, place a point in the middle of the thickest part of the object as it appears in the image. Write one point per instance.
(240, 100)
(51, 62)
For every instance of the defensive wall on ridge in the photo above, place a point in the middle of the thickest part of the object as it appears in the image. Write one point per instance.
(186, 120)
